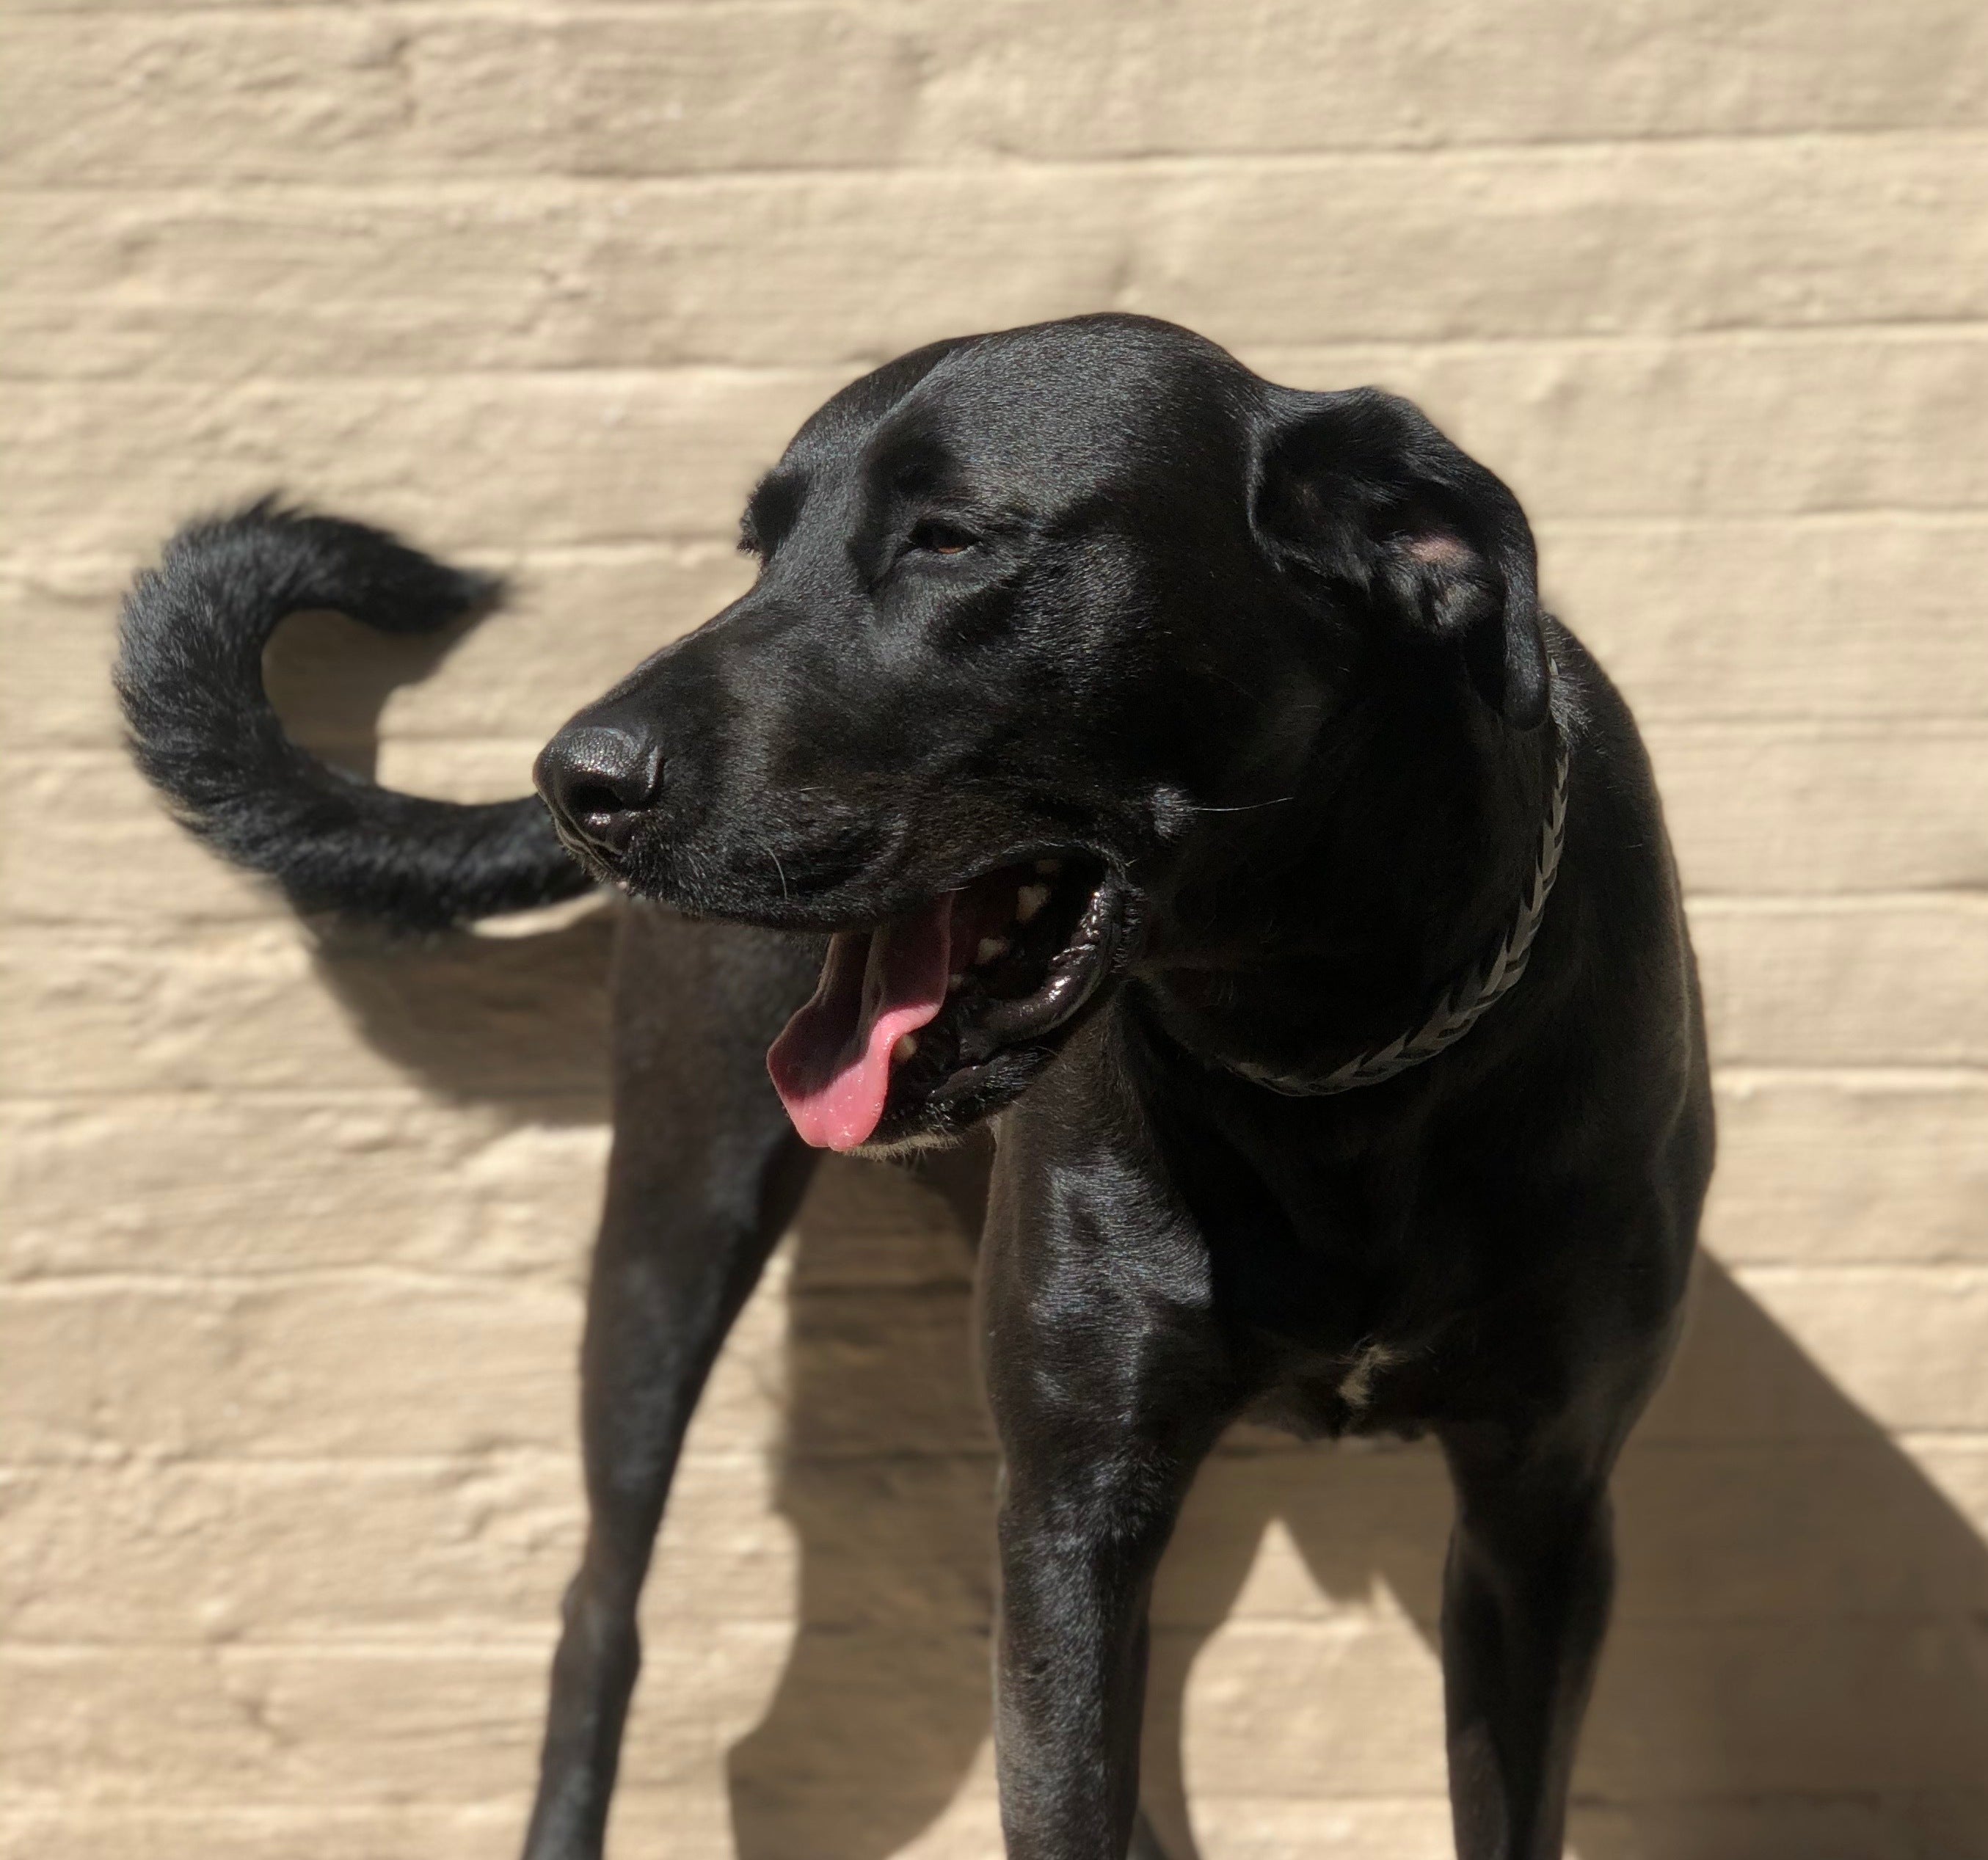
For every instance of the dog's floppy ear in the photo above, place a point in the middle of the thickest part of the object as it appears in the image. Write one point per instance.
(1359, 489)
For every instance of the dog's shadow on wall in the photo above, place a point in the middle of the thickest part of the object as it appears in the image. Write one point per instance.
(1799, 1667)
(1796, 1668)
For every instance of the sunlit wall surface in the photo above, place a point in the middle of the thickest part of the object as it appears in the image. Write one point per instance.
(293, 1230)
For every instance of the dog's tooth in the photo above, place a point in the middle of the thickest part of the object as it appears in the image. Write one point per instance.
(1049, 868)
(992, 949)
(954, 983)
(906, 1048)
(1029, 900)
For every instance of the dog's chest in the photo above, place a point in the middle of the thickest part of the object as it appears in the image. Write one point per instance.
(1377, 1387)
(1355, 1328)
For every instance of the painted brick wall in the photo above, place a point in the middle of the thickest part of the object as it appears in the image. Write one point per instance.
(294, 1229)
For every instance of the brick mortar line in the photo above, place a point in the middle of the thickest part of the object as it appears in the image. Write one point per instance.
(1961, 726)
(489, 1100)
(1358, 1621)
(44, 566)
(1727, 1077)
(62, 1811)
(548, 1283)
(563, 1461)
(553, 1284)
(394, 11)
(1901, 332)
(626, 12)
(1965, 901)
(1918, 1436)
(140, 1466)
(1772, 727)
(1969, 139)
(80, 1286)
(1785, 1272)
(1907, 1075)
(30, 563)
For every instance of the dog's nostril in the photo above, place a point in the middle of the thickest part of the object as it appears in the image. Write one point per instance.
(590, 799)
(594, 774)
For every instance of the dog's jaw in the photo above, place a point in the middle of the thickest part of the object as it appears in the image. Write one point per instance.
(888, 1054)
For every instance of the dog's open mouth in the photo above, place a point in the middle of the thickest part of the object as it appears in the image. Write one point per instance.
(913, 1015)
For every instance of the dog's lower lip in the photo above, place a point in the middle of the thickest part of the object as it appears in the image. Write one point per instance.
(959, 1055)
(1074, 972)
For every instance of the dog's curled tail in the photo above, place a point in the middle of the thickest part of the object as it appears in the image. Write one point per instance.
(189, 674)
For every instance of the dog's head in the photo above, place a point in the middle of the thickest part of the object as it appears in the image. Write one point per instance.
(1051, 629)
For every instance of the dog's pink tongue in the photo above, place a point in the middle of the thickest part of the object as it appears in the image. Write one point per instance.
(831, 1065)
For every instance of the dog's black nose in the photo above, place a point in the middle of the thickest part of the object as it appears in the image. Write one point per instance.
(597, 777)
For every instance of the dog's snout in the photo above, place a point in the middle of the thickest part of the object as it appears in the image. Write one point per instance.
(597, 777)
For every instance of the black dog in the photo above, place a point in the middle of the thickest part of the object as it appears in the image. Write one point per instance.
(1185, 777)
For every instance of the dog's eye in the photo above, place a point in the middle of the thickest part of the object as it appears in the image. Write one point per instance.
(937, 538)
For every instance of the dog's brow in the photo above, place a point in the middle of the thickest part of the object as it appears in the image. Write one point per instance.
(770, 510)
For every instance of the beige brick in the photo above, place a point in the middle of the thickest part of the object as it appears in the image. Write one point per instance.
(576, 623)
(327, 1831)
(215, 1553)
(1336, 1708)
(1734, 1708)
(1249, 1828)
(1719, 428)
(308, 94)
(693, 1820)
(1851, 1828)
(292, 1233)
(1902, 1343)
(506, 461)
(1831, 808)
(232, 1184)
(1813, 1530)
(114, 1369)
(1879, 981)
(247, 1725)
(497, 463)
(262, 1005)
(411, 1553)
(1844, 1168)
(1814, 1825)
(1739, 1709)
(110, 1367)
(1873, 615)
(1854, 981)
(307, 91)
(1816, 1354)
(239, 1184)
(1815, 1533)
(88, 838)
(1828, 809)
(1534, 243)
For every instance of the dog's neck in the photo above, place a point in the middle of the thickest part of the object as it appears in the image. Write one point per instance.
(1473, 995)
(1383, 930)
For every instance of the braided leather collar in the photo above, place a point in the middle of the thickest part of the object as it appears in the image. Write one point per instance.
(1467, 1000)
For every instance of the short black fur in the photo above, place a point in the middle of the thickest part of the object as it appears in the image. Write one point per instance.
(189, 674)
(1261, 680)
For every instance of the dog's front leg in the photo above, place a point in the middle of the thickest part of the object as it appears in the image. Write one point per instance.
(1108, 1384)
(705, 1175)
(1525, 1596)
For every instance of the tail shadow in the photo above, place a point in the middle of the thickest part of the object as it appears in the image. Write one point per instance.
(515, 1023)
